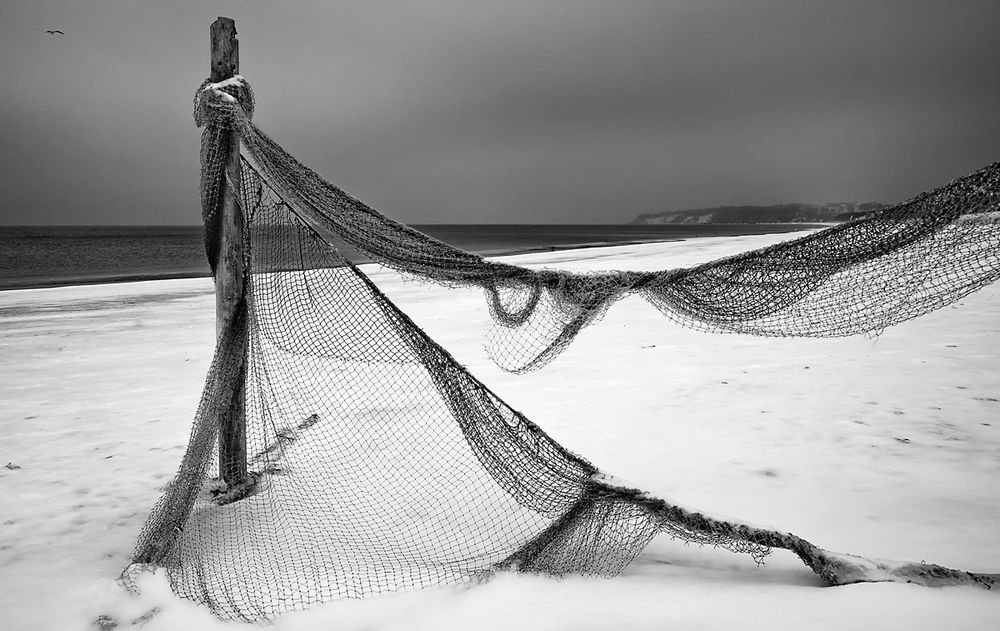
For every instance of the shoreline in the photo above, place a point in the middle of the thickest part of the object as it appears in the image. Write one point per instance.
(49, 282)
(102, 280)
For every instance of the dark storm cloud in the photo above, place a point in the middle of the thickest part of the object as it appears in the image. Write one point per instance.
(507, 112)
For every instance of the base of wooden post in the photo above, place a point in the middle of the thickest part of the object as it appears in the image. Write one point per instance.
(233, 437)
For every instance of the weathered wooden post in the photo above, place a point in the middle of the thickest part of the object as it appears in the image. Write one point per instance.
(229, 289)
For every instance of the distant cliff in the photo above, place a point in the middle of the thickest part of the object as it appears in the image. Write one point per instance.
(782, 213)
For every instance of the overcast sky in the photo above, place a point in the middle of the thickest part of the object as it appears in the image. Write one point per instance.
(503, 111)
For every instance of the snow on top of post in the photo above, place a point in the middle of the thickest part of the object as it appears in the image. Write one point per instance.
(234, 81)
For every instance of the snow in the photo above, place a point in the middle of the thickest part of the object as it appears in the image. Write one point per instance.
(887, 447)
(235, 80)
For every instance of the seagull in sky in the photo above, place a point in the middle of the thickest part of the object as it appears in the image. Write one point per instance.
(54, 31)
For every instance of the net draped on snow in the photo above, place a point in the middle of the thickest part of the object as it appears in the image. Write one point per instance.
(378, 463)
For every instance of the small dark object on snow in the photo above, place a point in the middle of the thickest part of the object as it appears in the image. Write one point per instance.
(105, 623)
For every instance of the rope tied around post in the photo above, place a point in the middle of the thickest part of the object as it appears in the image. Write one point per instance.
(215, 111)
(215, 102)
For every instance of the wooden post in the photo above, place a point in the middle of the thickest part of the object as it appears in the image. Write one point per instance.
(229, 290)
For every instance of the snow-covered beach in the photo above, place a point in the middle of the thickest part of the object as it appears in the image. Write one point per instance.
(884, 446)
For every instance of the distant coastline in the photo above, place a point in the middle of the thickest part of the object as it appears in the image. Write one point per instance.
(777, 214)
(55, 256)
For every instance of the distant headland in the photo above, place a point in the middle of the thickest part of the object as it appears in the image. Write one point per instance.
(780, 213)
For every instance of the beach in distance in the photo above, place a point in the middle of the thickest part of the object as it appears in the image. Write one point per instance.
(53, 256)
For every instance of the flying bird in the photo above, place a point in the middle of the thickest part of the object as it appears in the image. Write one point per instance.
(54, 31)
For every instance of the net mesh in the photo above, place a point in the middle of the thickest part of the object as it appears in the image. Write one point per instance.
(861, 276)
(376, 463)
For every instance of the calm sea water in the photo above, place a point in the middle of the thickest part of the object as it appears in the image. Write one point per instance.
(71, 255)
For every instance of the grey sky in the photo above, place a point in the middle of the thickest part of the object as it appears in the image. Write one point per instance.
(503, 112)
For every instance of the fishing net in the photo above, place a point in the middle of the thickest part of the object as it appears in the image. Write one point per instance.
(376, 463)
(858, 277)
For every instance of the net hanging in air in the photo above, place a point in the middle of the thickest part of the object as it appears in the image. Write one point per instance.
(861, 276)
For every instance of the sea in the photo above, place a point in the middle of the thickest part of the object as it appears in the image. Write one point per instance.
(53, 256)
